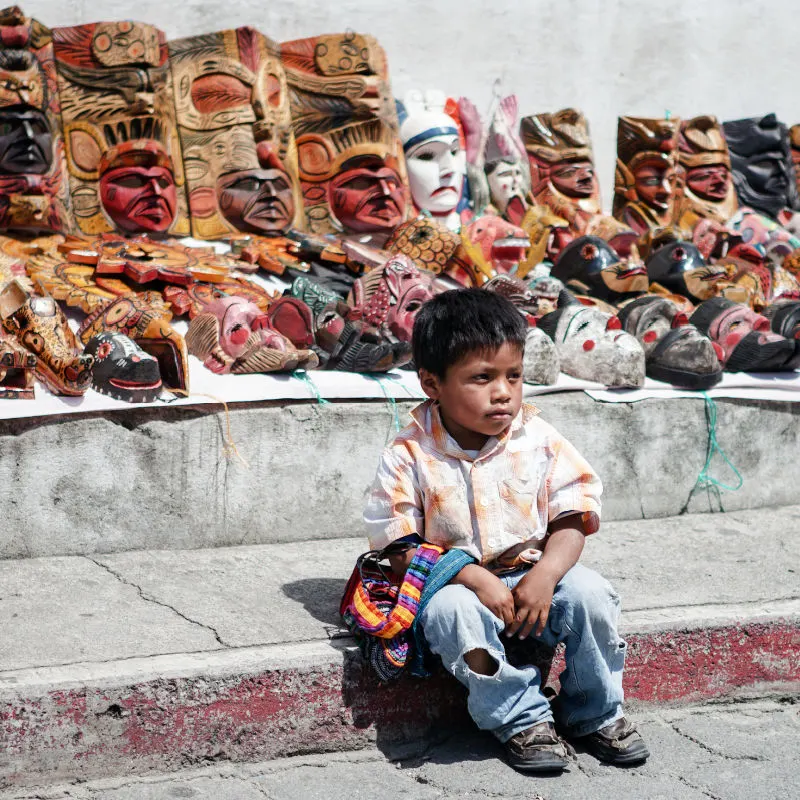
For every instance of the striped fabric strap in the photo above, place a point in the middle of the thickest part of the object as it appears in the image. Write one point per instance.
(402, 615)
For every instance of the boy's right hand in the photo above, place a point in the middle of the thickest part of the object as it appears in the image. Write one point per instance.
(491, 591)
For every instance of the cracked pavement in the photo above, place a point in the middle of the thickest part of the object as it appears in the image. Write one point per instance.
(745, 750)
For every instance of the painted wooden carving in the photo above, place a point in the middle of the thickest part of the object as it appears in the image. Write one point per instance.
(562, 166)
(145, 318)
(40, 326)
(34, 191)
(233, 335)
(123, 370)
(707, 190)
(350, 160)
(762, 164)
(117, 108)
(17, 367)
(645, 179)
(435, 156)
(233, 115)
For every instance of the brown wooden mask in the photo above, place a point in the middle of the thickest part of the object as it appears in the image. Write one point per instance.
(645, 179)
(350, 159)
(562, 166)
(34, 192)
(123, 151)
(233, 116)
(707, 190)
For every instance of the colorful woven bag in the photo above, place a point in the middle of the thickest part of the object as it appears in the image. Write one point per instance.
(379, 610)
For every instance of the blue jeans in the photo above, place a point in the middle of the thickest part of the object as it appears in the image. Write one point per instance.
(584, 616)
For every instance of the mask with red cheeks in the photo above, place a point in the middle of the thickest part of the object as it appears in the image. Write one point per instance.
(244, 325)
(368, 198)
(139, 198)
(745, 337)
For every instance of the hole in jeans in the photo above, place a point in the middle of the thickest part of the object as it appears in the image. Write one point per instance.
(481, 662)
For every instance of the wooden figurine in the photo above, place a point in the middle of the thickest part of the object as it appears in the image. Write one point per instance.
(344, 120)
(34, 191)
(117, 107)
(232, 106)
(645, 179)
(17, 365)
(707, 190)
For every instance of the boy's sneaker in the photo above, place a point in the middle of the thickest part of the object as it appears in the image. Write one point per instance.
(619, 743)
(537, 749)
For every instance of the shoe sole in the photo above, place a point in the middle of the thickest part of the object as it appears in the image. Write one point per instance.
(554, 765)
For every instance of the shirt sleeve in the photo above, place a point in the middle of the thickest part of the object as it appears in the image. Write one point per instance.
(394, 507)
(573, 487)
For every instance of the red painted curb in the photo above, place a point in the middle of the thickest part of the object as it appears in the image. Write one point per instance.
(166, 724)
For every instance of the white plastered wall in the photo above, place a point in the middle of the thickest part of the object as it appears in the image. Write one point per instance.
(730, 58)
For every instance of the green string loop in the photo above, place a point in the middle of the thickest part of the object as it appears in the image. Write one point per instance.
(706, 481)
(303, 375)
(389, 399)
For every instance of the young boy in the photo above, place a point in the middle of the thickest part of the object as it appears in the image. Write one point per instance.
(478, 470)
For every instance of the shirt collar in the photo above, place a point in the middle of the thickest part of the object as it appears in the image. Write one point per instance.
(427, 418)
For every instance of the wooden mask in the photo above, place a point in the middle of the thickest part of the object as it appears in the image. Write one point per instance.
(233, 115)
(707, 190)
(352, 171)
(562, 166)
(34, 191)
(645, 179)
(123, 151)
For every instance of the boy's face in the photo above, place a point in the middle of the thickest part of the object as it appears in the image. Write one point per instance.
(480, 394)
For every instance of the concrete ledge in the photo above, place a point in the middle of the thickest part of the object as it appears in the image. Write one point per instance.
(158, 478)
(59, 725)
(141, 662)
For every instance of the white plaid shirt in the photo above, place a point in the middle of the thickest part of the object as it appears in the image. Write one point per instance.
(503, 498)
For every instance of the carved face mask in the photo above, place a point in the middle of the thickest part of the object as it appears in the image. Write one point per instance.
(234, 335)
(390, 297)
(26, 142)
(367, 197)
(745, 337)
(123, 370)
(435, 161)
(592, 345)
(258, 201)
(675, 352)
(595, 267)
(784, 316)
(139, 198)
(680, 268)
(574, 178)
(506, 181)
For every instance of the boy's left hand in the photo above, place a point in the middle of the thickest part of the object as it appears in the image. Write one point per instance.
(533, 596)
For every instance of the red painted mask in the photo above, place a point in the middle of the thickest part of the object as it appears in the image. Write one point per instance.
(709, 182)
(139, 198)
(368, 198)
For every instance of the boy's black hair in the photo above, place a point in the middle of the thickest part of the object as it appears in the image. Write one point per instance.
(463, 321)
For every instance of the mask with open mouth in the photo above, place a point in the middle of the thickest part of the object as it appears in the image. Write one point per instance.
(591, 266)
(675, 352)
(123, 370)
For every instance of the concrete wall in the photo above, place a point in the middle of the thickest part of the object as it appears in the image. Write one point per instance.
(157, 478)
(726, 57)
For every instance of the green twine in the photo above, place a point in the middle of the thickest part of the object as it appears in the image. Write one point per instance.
(389, 399)
(706, 481)
(303, 375)
(667, 114)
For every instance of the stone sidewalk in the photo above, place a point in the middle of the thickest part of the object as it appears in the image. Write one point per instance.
(141, 662)
(741, 751)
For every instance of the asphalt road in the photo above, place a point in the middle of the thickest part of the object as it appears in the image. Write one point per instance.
(747, 750)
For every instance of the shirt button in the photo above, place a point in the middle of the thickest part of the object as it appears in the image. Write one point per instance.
(484, 501)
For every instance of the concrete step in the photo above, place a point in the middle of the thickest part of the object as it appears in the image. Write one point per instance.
(151, 661)
(158, 478)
